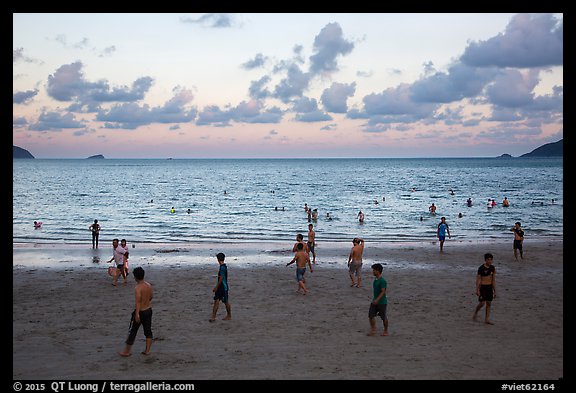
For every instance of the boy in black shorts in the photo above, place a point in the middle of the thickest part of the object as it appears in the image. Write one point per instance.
(485, 287)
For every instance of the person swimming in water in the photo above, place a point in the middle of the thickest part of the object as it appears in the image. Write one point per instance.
(37, 224)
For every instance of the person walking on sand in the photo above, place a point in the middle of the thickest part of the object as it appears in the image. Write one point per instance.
(300, 240)
(118, 257)
(301, 258)
(95, 229)
(355, 261)
(311, 241)
(125, 259)
(379, 301)
(221, 289)
(441, 232)
(518, 240)
(485, 287)
(142, 314)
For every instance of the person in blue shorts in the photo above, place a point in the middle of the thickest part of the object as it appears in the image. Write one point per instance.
(441, 231)
(301, 258)
(221, 290)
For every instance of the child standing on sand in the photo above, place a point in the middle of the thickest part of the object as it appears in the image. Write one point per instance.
(301, 258)
(379, 301)
(221, 289)
(485, 287)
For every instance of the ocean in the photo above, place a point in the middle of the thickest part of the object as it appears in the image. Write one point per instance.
(235, 200)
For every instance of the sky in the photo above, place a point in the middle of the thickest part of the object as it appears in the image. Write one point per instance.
(286, 85)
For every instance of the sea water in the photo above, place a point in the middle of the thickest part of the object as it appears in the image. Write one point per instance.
(229, 200)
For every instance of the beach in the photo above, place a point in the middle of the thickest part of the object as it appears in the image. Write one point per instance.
(69, 322)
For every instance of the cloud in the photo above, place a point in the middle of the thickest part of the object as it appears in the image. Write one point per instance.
(251, 112)
(68, 84)
(108, 51)
(257, 88)
(305, 105)
(311, 117)
(528, 41)
(328, 44)
(54, 121)
(334, 98)
(460, 82)
(132, 115)
(294, 85)
(22, 97)
(364, 74)
(397, 101)
(504, 114)
(61, 38)
(18, 55)
(213, 115)
(258, 61)
(101, 92)
(307, 110)
(211, 20)
(18, 122)
(512, 89)
(329, 127)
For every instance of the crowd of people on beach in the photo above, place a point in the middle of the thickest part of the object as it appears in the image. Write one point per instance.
(305, 259)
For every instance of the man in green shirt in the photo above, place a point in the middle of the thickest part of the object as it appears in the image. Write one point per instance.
(379, 301)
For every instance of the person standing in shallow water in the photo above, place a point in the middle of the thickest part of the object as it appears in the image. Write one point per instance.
(142, 314)
(95, 228)
(441, 231)
(485, 287)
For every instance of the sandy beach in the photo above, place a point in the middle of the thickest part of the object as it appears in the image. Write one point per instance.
(69, 322)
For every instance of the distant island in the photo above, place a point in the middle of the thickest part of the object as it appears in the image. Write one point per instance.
(554, 149)
(18, 152)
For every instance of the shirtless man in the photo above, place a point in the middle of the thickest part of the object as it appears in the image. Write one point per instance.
(95, 229)
(311, 241)
(485, 286)
(142, 315)
(355, 261)
(300, 240)
(301, 258)
(518, 240)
